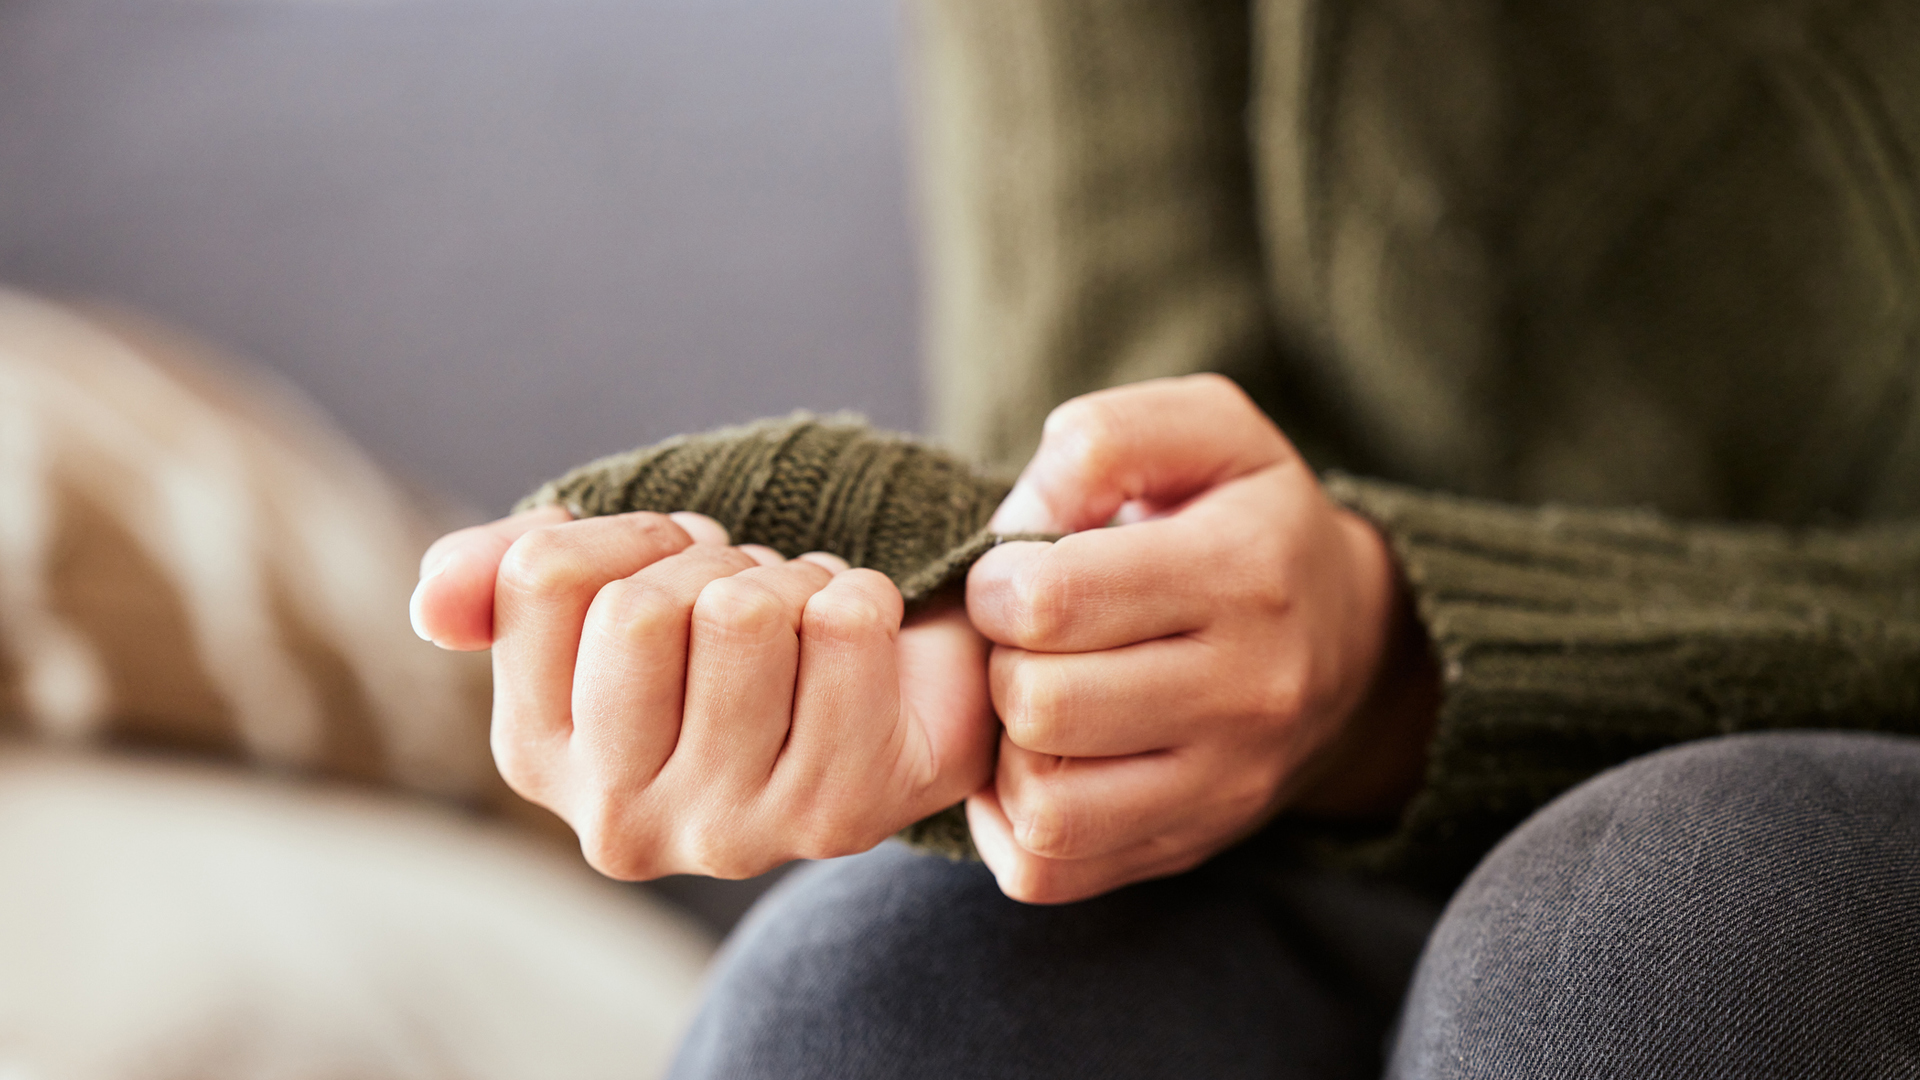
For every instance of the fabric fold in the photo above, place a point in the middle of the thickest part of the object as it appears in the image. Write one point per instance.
(806, 483)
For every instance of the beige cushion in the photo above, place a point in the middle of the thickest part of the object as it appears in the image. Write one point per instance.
(190, 555)
(162, 920)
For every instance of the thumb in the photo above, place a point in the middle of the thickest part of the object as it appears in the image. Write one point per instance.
(1157, 442)
(452, 606)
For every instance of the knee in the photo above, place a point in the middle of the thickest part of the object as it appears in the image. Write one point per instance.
(1778, 805)
(1747, 839)
(1764, 885)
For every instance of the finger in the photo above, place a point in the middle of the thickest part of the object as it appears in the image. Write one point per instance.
(891, 722)
(1235, 544)
(702, 528)
(1035, 879)
(453, 604)
(547, 581)
(1156, 442)
(629, 683)
(762, 554)
(1131, 700)
(743, 657)
(832, 563)
(838, 764)
(1095, 590)
(1082, 808)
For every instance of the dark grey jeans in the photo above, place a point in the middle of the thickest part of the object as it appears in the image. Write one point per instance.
(1740, 907)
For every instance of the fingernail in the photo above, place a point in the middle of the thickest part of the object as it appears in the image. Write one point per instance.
(702, 528)
(991, 600)
(434, 562)
(763, 555)
(1003, 560)
(1022, 511)
(834, 564)
(419, 595)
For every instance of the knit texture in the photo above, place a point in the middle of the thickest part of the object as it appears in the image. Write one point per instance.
(806, 483)
(1572, 640)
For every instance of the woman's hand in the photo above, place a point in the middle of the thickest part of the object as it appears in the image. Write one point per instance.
(1238, 646)
(690, 707)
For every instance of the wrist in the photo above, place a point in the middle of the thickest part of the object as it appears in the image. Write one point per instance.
(1377, 763)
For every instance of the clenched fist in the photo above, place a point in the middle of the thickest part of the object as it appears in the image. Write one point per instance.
(690, 707)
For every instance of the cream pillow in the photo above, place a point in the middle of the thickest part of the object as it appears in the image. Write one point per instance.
(162, 920)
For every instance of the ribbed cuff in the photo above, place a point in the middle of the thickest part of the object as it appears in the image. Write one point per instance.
(1572, 640)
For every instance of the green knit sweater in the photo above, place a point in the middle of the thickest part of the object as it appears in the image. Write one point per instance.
(1525, 265)
(1528, 265)
(1572, 639)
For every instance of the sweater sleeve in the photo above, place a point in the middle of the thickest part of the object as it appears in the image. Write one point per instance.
(1572, 640)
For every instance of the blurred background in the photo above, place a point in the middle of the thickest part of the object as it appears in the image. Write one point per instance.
(492, 238)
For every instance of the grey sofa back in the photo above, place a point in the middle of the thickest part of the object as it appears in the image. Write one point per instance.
(494, 237)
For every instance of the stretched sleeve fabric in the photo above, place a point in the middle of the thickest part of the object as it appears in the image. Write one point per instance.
(805, 483)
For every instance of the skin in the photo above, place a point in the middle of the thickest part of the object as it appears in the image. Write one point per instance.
(1116, 706)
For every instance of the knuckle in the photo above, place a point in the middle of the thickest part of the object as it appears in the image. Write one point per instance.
(809, 574)
(1035, 705)
(1089, 434)
(740, 606)
(1047, 827)
(843, 616)
(635, 610)
(541, 562)
(714, 562)
(655, 527)
(608, 848)
(1042, 601)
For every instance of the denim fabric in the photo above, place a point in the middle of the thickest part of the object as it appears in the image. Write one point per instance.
(1743, 907)
(895, 964)
(1747, 906)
